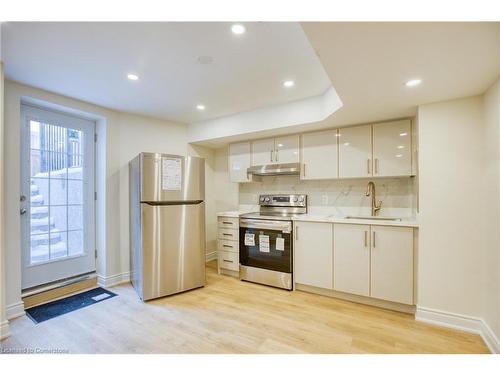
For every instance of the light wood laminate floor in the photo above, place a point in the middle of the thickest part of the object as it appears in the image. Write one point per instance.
(232, 316)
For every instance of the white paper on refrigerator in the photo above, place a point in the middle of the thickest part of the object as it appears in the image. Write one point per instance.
(249, 239)
(171, 176)
(263, 243)
(280, 244)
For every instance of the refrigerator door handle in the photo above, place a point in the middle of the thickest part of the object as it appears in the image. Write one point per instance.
(172, 203)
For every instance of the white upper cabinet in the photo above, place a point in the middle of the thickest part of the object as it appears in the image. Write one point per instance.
(278, 150)
(286, 149)
(355, 151)
(351, 262)
(392, 264)
(239, 161)
(314, 254)
(392, 148)
(319, 155)
(263, 151)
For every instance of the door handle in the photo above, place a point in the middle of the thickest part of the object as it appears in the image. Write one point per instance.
(23, 211)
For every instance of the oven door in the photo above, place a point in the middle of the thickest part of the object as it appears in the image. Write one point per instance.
(266, 244)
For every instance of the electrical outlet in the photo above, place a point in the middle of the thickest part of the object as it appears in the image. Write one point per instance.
(324, 200)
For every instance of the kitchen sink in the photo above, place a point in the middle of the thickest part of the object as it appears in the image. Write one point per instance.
(374, 218)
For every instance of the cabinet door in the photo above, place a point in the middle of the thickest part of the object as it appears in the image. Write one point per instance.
(319, 155)
(239, 161)
(392, 148)
(314, 254)
(355, 151)
(351, 258)
(392, 264)
(263, 151)
(287, 149)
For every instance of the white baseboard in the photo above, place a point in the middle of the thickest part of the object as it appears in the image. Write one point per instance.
(109, 281)
(461, 322)
(211, 256)
(15, 310)
(4, 330)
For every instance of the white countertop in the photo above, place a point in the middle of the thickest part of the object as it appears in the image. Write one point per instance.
(405, 222)
(409, 222)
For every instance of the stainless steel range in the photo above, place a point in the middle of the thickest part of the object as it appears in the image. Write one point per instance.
(266, 240)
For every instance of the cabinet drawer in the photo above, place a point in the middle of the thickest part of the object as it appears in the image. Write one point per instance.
(228, 234)
(228, 222)
(231, 246)
(229, 261)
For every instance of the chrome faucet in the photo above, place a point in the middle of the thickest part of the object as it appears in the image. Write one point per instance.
(370, 190)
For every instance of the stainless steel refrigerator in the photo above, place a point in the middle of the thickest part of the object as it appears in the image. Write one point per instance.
(167, 224)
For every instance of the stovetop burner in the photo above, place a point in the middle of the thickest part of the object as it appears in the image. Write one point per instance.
(279, 207)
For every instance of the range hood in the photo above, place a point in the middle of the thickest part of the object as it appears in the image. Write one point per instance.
(275, 169)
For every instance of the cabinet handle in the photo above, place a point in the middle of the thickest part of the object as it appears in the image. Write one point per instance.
(296, 233)
(227, 222)
(376, 166)
(366, 238)
(304, 170)
(227, 234)
(228, 261)
(368, 166)
(271, 156)
(374, 239)
(227, 246)
(277, 155)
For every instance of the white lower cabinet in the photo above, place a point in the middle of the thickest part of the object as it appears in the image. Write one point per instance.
(367, 260)
(228, 250)
(351, 261)
(313, 254)
(392, 264)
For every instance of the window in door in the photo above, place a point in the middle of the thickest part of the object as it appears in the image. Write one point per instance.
(57, 203)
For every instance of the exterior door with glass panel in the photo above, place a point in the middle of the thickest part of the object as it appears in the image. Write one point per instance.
(57, 196)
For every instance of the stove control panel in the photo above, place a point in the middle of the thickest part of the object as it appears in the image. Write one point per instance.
(283, 200)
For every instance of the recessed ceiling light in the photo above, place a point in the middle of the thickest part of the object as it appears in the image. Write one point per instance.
(200, 107)
(132, 77)
(401, 147)
(399, 155)
(289, 83)
(413, 82)
(402, 134)
(238, 29)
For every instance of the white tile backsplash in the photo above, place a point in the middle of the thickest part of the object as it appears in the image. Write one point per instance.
(338, 197)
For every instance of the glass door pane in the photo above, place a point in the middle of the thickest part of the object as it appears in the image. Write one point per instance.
(58, 173)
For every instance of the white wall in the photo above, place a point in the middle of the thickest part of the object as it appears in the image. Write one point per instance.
(125, 135)
(4, 325)
(458, 213)
(226, 192)
(491, 108)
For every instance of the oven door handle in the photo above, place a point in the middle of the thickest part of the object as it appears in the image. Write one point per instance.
(284, 226)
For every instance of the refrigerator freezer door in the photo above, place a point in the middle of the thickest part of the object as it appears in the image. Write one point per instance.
(173, 248)
(163, 182)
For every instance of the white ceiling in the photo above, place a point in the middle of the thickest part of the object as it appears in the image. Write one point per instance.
(90, 61)
(368, 64)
